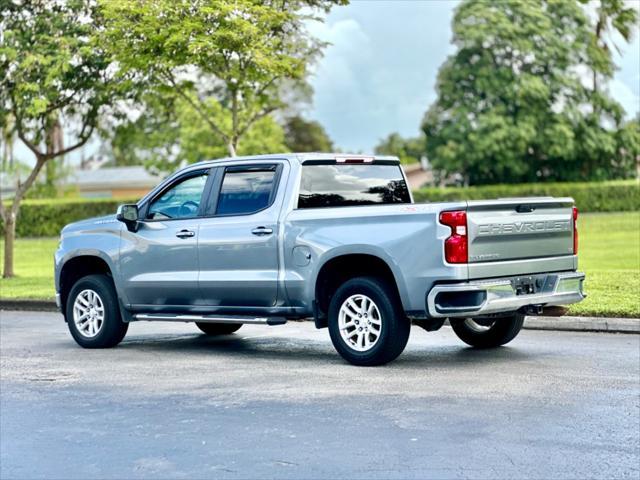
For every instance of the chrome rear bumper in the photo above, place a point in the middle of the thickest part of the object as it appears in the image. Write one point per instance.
(483, 297)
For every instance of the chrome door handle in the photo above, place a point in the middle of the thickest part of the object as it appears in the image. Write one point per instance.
(185, 234)
(262, 231)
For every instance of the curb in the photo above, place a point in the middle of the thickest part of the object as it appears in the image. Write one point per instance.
(584, 324)
(566, 323)
(33, 305)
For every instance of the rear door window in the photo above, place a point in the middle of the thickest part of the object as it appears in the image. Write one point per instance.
(351, 184)
(246, 191)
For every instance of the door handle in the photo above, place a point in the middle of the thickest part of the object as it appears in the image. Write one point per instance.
(262, 231)
(185, 234)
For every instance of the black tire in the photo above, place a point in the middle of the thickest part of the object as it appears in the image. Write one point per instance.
(501, 332)
(394, 325)
(112, 329)
(218, 328)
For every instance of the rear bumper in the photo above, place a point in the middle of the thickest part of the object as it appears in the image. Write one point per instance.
(484, 297)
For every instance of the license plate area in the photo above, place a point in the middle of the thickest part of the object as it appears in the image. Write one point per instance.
(526, 285)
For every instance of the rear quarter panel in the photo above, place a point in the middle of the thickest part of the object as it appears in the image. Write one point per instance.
(407, 237)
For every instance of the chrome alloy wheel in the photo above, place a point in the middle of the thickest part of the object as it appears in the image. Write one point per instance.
(88, 313)
(479, 326)
(360, 322)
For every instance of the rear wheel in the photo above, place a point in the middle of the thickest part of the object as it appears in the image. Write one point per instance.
(92, 313)
(487, 333)
(218, 328)
(366, 322)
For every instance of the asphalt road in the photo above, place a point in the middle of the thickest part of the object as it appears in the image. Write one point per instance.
(277, 402)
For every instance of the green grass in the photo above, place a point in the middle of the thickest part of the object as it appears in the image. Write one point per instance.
(609, 254)
(34, 270)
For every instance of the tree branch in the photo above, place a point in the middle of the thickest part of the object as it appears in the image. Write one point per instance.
(197, 106)
(23, 187)
(31, 146)
(84, 137)
(255, 118)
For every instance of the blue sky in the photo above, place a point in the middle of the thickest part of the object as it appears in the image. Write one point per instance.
(378, 75)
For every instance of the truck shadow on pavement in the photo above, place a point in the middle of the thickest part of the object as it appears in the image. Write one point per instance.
(313, 351)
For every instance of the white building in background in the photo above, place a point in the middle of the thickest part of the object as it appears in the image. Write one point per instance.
(113, 182)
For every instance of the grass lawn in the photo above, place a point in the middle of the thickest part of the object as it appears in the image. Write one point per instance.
(609, 254)
(34, 270)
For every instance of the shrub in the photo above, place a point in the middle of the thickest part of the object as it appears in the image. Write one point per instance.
(46, 217)
(615, 196)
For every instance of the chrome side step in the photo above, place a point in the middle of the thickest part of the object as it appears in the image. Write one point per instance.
(163, 317)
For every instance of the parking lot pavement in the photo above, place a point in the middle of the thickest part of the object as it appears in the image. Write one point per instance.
(277, 402)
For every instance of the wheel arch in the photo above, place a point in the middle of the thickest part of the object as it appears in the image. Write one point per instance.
(76, 267)
(341, 266)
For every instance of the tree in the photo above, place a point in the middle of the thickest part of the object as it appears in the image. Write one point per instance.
(408, 150)
(51, 74)
(611, 15)
(170, 134)
(628, 148)
(306, 135)
(229, 60)
(511, 103)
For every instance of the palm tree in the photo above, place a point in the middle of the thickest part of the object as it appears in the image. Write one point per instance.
(612, 16)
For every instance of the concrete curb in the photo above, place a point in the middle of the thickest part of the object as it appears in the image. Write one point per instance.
(32, 305)
(584, 324)
(566, 323)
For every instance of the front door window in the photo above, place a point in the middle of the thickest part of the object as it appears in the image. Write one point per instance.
(182, 200)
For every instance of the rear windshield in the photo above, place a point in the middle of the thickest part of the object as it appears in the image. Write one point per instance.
(346, 185)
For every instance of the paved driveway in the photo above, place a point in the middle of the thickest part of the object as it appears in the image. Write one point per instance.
(277, 402)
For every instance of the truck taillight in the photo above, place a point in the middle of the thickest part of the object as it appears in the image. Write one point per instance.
(575, 230)
(456, 246)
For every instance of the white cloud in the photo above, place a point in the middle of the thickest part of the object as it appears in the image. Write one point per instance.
(379, 73)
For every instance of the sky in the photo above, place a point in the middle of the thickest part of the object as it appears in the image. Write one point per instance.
(378, 75)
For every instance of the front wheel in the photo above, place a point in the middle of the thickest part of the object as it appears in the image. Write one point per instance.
(92, 313)
(366, 322)
(487, 332)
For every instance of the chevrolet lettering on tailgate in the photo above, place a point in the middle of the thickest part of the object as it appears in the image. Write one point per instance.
(515, 228)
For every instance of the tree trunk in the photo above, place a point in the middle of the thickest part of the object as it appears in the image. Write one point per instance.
(54, 142)
(9, 238)
(231, 146)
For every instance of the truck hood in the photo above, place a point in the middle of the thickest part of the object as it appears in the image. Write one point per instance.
(90, 224)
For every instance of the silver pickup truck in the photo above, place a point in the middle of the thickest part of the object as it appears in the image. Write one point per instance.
(336, 238)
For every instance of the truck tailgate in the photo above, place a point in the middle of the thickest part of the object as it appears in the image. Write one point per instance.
(519, 229)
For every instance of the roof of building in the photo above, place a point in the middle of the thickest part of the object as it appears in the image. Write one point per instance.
(134, 176)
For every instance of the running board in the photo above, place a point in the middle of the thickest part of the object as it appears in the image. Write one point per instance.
(163, 317)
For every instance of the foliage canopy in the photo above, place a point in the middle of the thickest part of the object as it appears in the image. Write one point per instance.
(513, 104)
(233, 63)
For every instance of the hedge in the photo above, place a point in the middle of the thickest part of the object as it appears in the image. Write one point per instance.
(46, 217)
(615, 196)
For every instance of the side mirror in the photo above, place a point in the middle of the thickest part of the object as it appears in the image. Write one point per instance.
(128, 214)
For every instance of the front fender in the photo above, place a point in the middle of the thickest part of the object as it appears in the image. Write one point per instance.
(104, 245)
